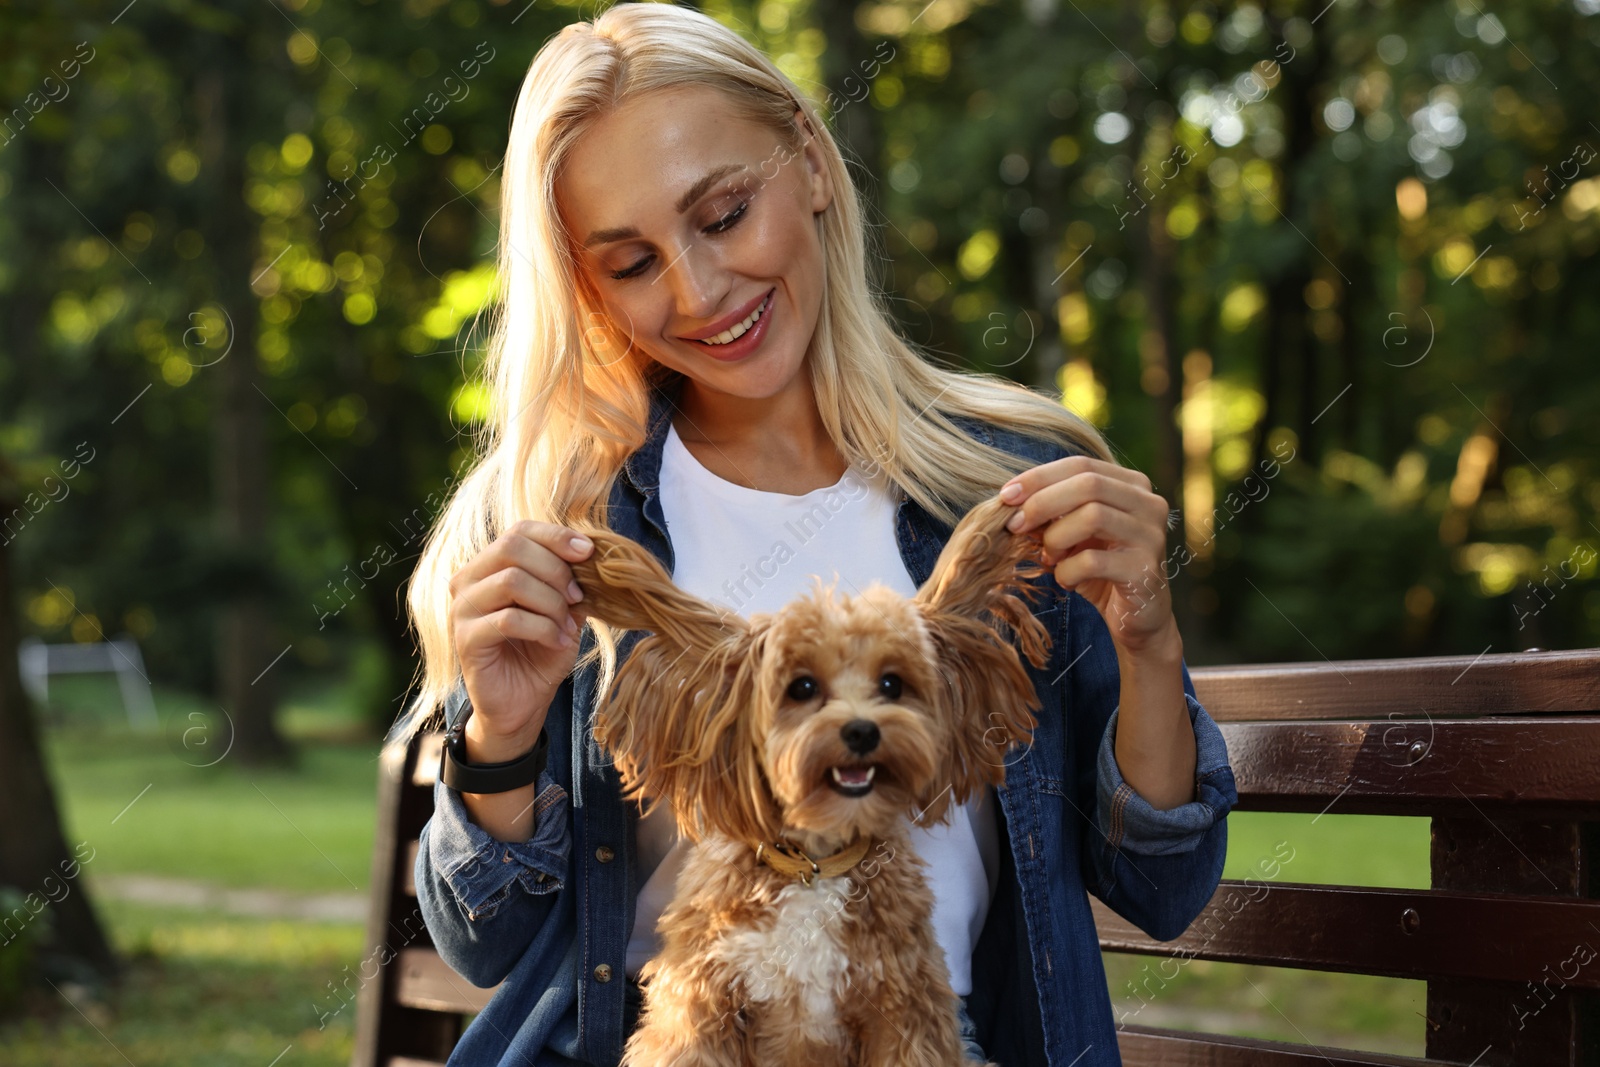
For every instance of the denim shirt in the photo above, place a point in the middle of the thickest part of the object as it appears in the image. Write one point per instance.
(550, 917)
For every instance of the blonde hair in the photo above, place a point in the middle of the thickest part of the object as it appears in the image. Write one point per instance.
(569, 404)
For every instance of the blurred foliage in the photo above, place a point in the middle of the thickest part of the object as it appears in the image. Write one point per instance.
(1345, 241)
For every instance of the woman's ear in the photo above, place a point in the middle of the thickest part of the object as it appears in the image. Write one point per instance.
(820, 182)
(973, 605)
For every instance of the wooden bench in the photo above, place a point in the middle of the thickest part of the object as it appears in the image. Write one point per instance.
(1501, 752)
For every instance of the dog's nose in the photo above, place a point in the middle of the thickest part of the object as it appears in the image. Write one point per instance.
(860, 735)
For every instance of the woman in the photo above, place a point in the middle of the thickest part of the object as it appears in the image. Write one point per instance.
(688, 336)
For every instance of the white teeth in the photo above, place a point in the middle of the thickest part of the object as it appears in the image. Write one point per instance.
(737, 329)
(871, 770)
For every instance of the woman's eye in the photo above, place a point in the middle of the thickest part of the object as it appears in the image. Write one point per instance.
(722, 225)
(728, 221)
(889, 686)
(803, 688)
(631, 271)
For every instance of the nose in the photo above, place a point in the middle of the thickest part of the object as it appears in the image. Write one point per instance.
(697, 282)
(860, 735)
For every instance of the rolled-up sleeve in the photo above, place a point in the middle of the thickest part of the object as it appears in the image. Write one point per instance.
(1130, 822)
(484, 900)
(1155, 868)
(480, 869)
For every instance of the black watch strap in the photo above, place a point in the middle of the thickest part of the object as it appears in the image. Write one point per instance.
(457, 773)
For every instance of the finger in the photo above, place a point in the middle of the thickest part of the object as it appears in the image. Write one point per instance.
(1122, 566)
(1106, 522)
(1060, 497)
(484, 602)
(1035, 478)
(547, 552)
(509, 625)
(515, 587)
(541, 548)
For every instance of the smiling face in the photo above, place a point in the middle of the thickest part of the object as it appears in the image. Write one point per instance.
(692, 224)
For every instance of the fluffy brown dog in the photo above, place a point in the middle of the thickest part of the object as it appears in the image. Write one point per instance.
(792, 749)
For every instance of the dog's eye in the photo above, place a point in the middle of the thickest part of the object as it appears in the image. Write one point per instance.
(803, 688)
(889, 686)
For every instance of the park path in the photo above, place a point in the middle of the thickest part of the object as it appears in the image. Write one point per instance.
(255, 902)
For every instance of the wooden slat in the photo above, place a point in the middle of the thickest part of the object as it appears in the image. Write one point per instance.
(1543, 765)
(430, 747)
(1401, 933)
(1143, 1046)
(426, 981)
(1505, 683)
(370, 1004)
(386, 1028)
(408, 874)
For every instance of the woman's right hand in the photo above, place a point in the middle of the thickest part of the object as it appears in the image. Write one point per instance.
(515, 614)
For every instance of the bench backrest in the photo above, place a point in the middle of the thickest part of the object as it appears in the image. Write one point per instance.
(1501, 752)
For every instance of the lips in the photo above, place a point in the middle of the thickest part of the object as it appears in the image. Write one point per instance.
(729, 321)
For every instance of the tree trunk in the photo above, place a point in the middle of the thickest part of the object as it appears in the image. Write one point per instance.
(247, 649)
(847, 62)
(1286, 340)
(34, 856)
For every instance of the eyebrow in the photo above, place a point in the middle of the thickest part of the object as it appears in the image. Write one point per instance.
(685, 202)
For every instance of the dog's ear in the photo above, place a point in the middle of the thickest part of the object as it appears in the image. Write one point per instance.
(679, 719)
(974, 606)
(625, 586)
(984, 572)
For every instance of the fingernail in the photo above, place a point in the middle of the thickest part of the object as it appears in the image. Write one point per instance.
(572, 626)
(564, 641)
(1012, 492)
(1016, 522)
(582, 544)
(574, 594)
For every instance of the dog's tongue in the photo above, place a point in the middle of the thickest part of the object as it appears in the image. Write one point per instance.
(854, 775)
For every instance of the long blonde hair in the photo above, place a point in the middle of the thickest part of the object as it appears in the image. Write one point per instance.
(569, 403)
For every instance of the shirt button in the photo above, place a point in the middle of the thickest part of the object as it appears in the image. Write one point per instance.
(604, 854)
(602, 972)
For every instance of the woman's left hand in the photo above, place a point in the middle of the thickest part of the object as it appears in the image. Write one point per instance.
(1104, 533)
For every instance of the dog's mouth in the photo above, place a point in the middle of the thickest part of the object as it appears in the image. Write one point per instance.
(852, 780)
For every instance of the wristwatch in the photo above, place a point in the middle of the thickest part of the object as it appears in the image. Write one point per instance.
(457, 773)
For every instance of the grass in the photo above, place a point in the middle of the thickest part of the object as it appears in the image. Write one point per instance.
(151, 805)
(203, 988)
(214, 989)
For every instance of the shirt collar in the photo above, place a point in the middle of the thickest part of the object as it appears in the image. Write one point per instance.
(643, 467)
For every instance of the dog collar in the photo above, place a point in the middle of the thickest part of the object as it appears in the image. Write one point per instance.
(790, 860)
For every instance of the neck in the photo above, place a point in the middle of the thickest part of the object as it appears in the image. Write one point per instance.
(788, 417)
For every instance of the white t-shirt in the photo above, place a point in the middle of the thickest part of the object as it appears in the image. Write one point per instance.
(754, 551)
